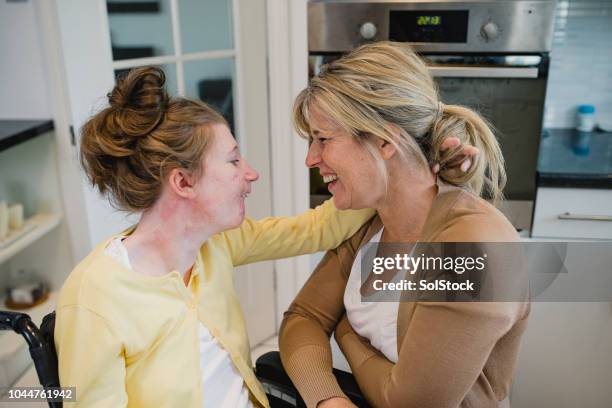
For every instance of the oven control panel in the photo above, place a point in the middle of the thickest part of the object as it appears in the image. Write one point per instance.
(505, 26)
(368, 30)
(490, 31)
(429, 26)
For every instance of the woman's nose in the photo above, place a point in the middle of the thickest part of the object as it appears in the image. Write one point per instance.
(251, 173)
(314, 154)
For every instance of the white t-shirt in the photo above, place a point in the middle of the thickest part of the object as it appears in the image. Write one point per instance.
(222, 385)
(376, 321)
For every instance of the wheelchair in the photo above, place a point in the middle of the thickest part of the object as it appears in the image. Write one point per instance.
(41, 345)
(269, 370)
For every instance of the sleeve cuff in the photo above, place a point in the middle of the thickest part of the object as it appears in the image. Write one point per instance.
(310, 370)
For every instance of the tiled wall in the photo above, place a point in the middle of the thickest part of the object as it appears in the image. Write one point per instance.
(581, 61)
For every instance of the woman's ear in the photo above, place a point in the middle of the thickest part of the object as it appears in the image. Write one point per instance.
(182, 183)
(388, 149)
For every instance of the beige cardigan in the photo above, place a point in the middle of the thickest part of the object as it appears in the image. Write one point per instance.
(450, 353)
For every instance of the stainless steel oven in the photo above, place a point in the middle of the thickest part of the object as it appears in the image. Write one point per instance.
(491, 55)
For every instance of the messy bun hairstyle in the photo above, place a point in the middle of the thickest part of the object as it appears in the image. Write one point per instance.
(129, 148)
(386, 83)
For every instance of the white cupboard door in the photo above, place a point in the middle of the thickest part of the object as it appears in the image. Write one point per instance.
(255, 282)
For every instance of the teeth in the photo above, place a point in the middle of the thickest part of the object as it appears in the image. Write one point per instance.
(330, 178)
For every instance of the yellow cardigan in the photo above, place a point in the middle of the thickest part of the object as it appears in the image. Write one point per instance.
(126, 339)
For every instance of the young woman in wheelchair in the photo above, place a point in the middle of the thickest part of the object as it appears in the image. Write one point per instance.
(150, 317)
(376, 122)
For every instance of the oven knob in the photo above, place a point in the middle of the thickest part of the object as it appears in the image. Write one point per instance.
(368, 30)
(489, 31)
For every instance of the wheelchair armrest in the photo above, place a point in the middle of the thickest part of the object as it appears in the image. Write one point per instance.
(40, 342)
(269, 369)
(10, 320)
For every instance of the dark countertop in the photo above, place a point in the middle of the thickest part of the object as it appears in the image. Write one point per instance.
(13, 132)
(572, 159)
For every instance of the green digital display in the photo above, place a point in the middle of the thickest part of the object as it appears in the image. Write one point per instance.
(429, 21)
(428, 26)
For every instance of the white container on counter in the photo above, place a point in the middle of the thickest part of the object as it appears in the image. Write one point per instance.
(586, 118)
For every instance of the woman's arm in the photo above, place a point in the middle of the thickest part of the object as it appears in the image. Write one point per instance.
(446, 344)
(319, 229)
(309, 322)
(90, 358)
(443, 353)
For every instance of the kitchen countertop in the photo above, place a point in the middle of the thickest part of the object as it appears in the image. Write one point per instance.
(13, 132)
(577, 160)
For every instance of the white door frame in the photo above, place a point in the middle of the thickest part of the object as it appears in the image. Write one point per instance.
(288, 75)
(69, 110)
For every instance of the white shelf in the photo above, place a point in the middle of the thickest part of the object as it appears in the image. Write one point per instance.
(33, 229)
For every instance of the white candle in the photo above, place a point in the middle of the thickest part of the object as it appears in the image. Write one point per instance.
(15, 216)
(3, 220)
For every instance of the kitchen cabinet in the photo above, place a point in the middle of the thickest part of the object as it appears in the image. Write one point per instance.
(30, 175)
(566, 352)
(565, 356)
(574, 196)
(23, 168)
(15, 132)
(573, 213)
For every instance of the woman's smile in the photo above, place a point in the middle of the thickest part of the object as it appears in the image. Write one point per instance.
(331, 180)
(332, 186)
(346, 167)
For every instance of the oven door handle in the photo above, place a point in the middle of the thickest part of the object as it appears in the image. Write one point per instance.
(482, 72)
(584, 217)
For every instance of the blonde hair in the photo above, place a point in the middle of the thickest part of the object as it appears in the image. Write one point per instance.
(385, 84)
(129, 148)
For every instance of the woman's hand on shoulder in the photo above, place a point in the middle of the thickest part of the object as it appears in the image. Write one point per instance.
(336, 402)
(463, 162)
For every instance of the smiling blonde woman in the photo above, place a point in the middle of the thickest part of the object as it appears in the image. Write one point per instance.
(376, 124)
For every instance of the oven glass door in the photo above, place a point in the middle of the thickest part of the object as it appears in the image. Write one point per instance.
(514, 108)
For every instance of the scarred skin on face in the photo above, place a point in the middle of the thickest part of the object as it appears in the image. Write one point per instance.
(226, 180)
(191, 209)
